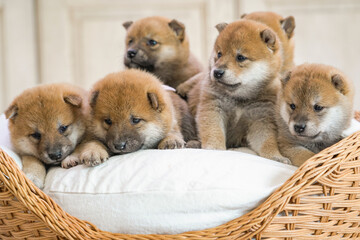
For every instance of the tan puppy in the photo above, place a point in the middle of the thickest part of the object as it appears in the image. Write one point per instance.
(160, 46)
(314, 108)
(237, 98)
(130, 111)
(46, 124)
(284, 28)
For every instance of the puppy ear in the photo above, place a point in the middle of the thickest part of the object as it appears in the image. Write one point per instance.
(11, 112)
(155, 102)
(285, 79)
(178, 28)
(338, 82)
(127, 24)
(288, 24)
(221, 26)
(269, 38)
(74, 100)
(93, 98)
(244, 15)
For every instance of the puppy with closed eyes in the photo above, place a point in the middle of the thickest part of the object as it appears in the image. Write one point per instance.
(46, 125)
(131, 110)
(314, 108)
(160, 46)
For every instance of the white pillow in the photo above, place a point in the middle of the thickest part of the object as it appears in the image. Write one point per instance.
(5, 142)
(166, 191)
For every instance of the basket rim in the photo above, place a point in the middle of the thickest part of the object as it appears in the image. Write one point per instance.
(243, 227)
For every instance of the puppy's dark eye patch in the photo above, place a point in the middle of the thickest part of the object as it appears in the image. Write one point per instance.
(292, 106)
(240, 58)
(36, 135)
(318, 108)
(130, 41)
(219, 54)
(62, 129)
(135, 120)
(108, 121)
(152, 42)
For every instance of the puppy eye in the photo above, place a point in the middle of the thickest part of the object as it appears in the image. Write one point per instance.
(219, 55)
(152, 42)
(318, 108)
(36, 135)
(130, 41)
(240, 58)
(292, 106)
(135, 120)
(62, 129)
(108, 121)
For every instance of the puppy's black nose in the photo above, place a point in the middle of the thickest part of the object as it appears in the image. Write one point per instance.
(55, 155)
(299, 128)
(120, 146)
(218, 73)
(131, 53)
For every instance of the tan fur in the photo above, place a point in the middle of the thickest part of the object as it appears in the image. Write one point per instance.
(121, 98)
(284, 28)
(306, 86)
(36, 119)
(237, 108)
(170, 59)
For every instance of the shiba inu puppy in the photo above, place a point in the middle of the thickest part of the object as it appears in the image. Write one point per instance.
(238, 97)
(284, 28)
(314, 108)
(131, 111)
(160, 46)
(46, 124)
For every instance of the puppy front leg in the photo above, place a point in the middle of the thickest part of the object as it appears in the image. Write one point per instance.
(297, 154)
(173, 139)
(184, 88)
(73, 159)
(34, 170)
(262, 138)
(211, 127)
(93, 153)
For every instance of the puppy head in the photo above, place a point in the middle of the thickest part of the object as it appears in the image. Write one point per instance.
(245, 58)
(130, 111)
(316, 102)
(154, 42)
(47, 121)
(282, 26)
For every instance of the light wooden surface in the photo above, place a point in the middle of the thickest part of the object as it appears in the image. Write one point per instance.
(80, 41)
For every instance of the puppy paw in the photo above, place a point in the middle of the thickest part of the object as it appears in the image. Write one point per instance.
(193, 144)
(182, 90)
(93, 157)
(70, 161)
(38, 181)
(282, 160)
(171, 143)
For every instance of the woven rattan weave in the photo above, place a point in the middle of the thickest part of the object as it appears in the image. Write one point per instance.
(320, 201)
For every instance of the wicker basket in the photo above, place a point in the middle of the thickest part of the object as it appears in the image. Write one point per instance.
(320, 201)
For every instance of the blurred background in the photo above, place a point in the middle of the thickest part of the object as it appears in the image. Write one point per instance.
(80, 41)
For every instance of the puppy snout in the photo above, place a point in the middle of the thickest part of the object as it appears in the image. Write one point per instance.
(299, 128)
(218, 73)
(55, 155)
(120, 146)
(131, 53)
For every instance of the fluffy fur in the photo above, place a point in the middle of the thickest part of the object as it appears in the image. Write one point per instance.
(284, 28)
(237, 98)
(314, 107)
(130, 111)
(46, 125)
(160, 46)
